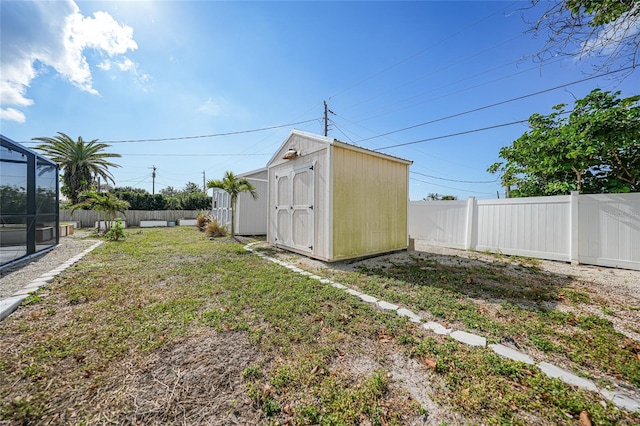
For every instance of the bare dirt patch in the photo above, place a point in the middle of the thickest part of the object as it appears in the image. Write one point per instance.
(197, 380)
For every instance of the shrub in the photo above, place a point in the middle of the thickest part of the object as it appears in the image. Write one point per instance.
(214, 230)
(203, 220)
(116, 232)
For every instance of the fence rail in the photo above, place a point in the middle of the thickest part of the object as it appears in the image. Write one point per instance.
(602, 229)
(88, 218)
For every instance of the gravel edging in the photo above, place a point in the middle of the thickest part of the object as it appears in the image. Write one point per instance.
(16, 277)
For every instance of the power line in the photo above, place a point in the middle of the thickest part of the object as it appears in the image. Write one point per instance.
(213, 135)
(496, 104)
(450, 187)
(192, 155)
(441, 41)
(455, 134)
(446, 95)
(481, 53)
(455, 180)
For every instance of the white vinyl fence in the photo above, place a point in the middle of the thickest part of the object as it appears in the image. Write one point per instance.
(602, 229)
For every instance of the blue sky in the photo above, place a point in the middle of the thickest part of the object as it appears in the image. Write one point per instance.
(127, 71)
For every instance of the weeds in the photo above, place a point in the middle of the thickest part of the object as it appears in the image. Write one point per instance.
(122, 308)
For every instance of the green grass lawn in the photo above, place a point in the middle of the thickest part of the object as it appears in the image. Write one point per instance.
(71, 354)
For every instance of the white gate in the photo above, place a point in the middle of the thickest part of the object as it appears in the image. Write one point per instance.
(221, 208)
(294, 208)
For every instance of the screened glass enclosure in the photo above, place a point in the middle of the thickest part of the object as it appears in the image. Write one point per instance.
(29, 218)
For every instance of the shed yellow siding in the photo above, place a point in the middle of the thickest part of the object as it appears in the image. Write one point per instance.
(369, 204)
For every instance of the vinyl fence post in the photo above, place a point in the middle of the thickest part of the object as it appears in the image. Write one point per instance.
(469, 243)
(574, 228)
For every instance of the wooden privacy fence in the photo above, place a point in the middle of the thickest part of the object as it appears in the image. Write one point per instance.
(602, 229)
(88, 218)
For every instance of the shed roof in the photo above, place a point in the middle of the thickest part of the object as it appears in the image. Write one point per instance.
(336, 142)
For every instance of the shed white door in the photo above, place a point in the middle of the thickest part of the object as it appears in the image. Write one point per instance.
(294, 208)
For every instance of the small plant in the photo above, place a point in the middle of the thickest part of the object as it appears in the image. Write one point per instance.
(116, 232)
(203, 220)
(32, 298)
(213, 229)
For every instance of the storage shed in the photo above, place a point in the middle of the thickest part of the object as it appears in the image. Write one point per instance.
(251, 215)
(333, 201)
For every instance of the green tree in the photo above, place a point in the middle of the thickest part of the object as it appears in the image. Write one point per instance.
(596, 148)
(234, 186)
(80, 161)
(192, 188)
(437, 197)
(169, 191)
(121, 189)
(602, 29)
(108, 204)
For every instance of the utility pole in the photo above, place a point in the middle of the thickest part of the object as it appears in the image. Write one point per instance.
(204, 182)
(153, 184)
(326, 119)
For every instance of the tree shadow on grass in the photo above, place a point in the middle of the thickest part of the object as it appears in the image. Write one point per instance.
(517, 281)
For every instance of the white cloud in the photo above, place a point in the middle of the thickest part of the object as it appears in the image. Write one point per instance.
(613, 36)
(105, 65)
(212, 108)
(56, 35)
(12, 114)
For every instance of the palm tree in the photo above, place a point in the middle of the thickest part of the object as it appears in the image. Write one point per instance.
(108, 204)
(81, 161)
(233, 186)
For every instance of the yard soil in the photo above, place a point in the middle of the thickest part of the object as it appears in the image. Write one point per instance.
(198, 379)
(617, 289)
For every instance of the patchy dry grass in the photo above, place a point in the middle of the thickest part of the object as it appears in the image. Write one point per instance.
(513, 304)
(168, 327)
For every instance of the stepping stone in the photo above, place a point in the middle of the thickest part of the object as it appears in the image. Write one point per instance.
(567, 376)
(9, 305)
(36, 284)
(387, 306)
(622, 400)
(507, 352)
(468, 338)
(436, 328)
(367, 298)
(326, 281)
(37, 281)
(413, 317)
(24, 292)
(50, 274)
(340, 286)
(349, 290)
(315, 277)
